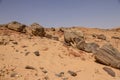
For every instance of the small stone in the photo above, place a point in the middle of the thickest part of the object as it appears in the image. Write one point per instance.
(13, 74)
(29, 67)
(44, 71)
(72, 73)
(15, 43)
(61, 74)
(109, 71)
(27, 53)
(37, 53)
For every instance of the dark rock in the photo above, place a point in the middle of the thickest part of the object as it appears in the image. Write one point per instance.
(45, 71)
(37, 30)
(30, 67)
(109, 71)
(101, 36)
(16, 26)
(27, 53)
(72, 73)
(15, 42)
(37, 53)
(108, 55)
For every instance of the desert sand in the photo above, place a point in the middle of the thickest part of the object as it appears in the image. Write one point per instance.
(28, 57)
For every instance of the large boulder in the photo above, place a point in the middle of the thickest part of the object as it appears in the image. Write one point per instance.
(108, 55)
(88, 47)
(16, 26)
(73, 37)
(37, 30)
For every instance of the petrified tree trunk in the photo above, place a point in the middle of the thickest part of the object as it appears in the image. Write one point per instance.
(108, 55)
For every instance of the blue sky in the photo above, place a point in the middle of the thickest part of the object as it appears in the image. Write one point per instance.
(66, 13)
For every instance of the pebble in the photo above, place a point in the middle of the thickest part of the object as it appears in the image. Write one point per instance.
(72, 73)
(37, 53)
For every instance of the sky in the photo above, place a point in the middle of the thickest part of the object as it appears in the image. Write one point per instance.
(62, 13)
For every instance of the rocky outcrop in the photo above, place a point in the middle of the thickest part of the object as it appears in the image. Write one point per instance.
(108, 55)
(37, 30)
(16, 26)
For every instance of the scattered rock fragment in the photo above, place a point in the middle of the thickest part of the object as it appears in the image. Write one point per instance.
(72, 73)
(37, 53)
(61, 74)
(27, 53)
(14, 42)
(30, 67)
(109, 71)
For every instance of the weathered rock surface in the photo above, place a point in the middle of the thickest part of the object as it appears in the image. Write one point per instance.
(37, 30)
(108, 55)
(109, 71)
(88, 47)
(16, 26)
(73, 37)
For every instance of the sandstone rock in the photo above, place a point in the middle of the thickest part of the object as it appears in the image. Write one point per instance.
(16, 26)
(37, 30)
(108, 55)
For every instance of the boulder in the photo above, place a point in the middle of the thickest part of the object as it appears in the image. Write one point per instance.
(91, 47)
(108, 55)
(88, 47)
(73, 37)
(37, 30)
(16, 26)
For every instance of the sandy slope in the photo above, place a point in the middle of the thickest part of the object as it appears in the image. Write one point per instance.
(54, 58)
